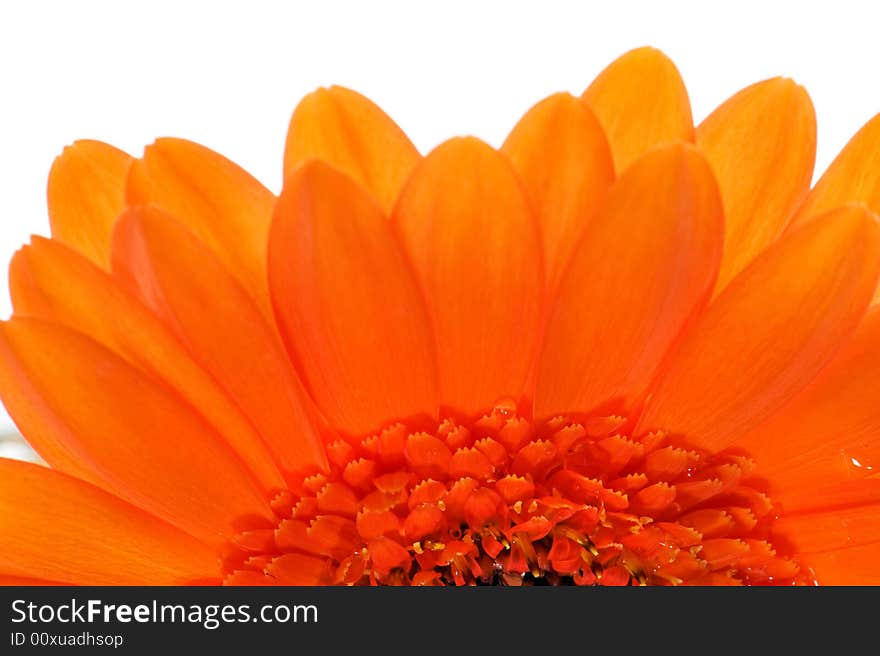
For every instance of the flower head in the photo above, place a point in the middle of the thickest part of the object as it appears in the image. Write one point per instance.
(617, 350)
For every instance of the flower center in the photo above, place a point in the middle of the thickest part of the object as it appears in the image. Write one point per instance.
(504, 501)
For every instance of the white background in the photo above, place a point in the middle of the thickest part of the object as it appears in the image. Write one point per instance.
(229, 74)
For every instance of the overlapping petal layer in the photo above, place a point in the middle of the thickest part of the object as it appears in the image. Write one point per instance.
(641, 101)
(56, 528)
(49, 281)
(561, 155)
(348, 131)
(762, 145)
(770, 332)
(644, 267)
(135, 437)
(348, 304)
(475, 247)
(86, 192)
(219, 201)
(222, 327)
(476, 366)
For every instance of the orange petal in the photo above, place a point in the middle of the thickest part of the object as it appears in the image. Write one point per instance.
(26, 581)
(55, 527)
(849, 566)
(830, 432)
(86, 193)
(141, 442)
(840, 546)
(832, 494)
(770, 331)
(641, 101)
(477, 253)
(645, 265)
(50, 281)
(761, 144)
(299, 569)
(348, 306)
(213, 315)
(219, 201)
(345, 129)
(561, 155)
(853, 177)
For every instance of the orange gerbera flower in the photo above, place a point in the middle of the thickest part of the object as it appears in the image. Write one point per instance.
(560, 362)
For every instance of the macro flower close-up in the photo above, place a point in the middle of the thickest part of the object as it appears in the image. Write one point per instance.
(620, 349)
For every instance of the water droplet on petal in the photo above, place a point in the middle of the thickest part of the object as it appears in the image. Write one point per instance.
(859, 462)
(505, 407)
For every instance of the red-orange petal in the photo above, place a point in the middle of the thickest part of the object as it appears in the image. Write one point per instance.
(770, 331)
(50, 281)
(838, 546)
(641, 101)
(6, 580)
(350, 132)
(219, 201)
(476, 249)
(645, 265)
(86, 192)
(188, 287)
(761, 144)
(855, 565)
(57, 528)
(830, 432)
(299, 569)
(562, 157)
(140, 441)
(348, 305)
